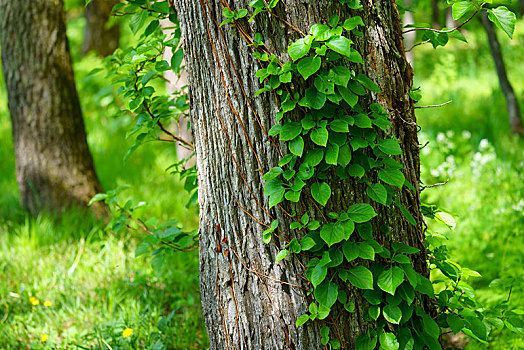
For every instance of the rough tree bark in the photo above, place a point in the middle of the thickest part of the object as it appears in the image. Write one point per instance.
(53, 165)
(97, 36)
(409, 38)
(249, 301)
(515, 119)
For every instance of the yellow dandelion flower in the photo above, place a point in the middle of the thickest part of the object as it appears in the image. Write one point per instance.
(34, 301)
(47, 303)
(127, 332)
(44, 337)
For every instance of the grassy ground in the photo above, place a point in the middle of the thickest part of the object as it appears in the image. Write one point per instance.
(96, 288)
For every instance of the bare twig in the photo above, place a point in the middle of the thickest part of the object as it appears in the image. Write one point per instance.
(431, 106)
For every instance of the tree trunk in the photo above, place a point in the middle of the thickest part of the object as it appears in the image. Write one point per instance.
(521, 8)
(435, 14)
(249, 301)
(53, 165)
(175, 83)
(512, 103)
(450, 22)
(409, 38)
(97, 35)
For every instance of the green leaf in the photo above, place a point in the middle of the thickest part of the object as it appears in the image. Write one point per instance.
(392, 314)
(356, 170)
(344, 156)
(314, 157)
(366, 342)
(142, 248)
(161, 7)
(392, 176)
(290, 130)
(339, 125)
(137, 21)
(367, 82)
(504, 19)
(350, 250)
(374, 312)
(378, 193)
(340, 45)
(455, 323)
(360, 277)
(388, 341)
(361, 212)
(281, 255)
(430, 326)
(332, 233)
(424, 286)
(299, 49)
(406, 214)
(366, 251)
(350, 98)
(341, 75)
(313, 99)
(309, 66)
(390, 279)
(301, 320)
(318, 275)
(296, 146)
(390, 146)
(331, 154)
(319, 136)
(326, 293)
(459, 9)
(352, 22)
(321, 192)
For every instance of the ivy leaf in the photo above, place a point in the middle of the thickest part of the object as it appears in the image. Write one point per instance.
(290, 130)
(137, 21)
(391, 176)
(318, 275)
(332, 233)
(350, 98)
(366, 251)
(309, 66)
(388, 341)
(299, 49)
(313, 99)
(366, 342)
(341, 75)
(344, 156)
(360, 277)
(367, 82)
(321, 192)
(319, 136)
(361, 212)
(296, 146)
(281, 255)
(459, 9)
(378, 193)
(392, 314)
(331, 155)
(406, 214)
(390, 279)
(350, 250)
(352, 22)
(326, 293)
(504, 19)
(389, 146)
(314, 156)
(340, 45)
(374, 312)
(301, 320)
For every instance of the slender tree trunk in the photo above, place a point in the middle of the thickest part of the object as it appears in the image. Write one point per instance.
(97, 35)
(450, 22)
(435, 14)
(249, 301)
(409, 38)
(53, 165)
(175, 83)
(521, 8)
(512, 103)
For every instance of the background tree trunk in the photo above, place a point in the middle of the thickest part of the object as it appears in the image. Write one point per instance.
(97, 35)
(512, 103)
(249, 301)
(53, 165)
(435, 14)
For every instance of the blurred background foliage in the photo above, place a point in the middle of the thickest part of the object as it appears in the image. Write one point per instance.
(95, 286)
